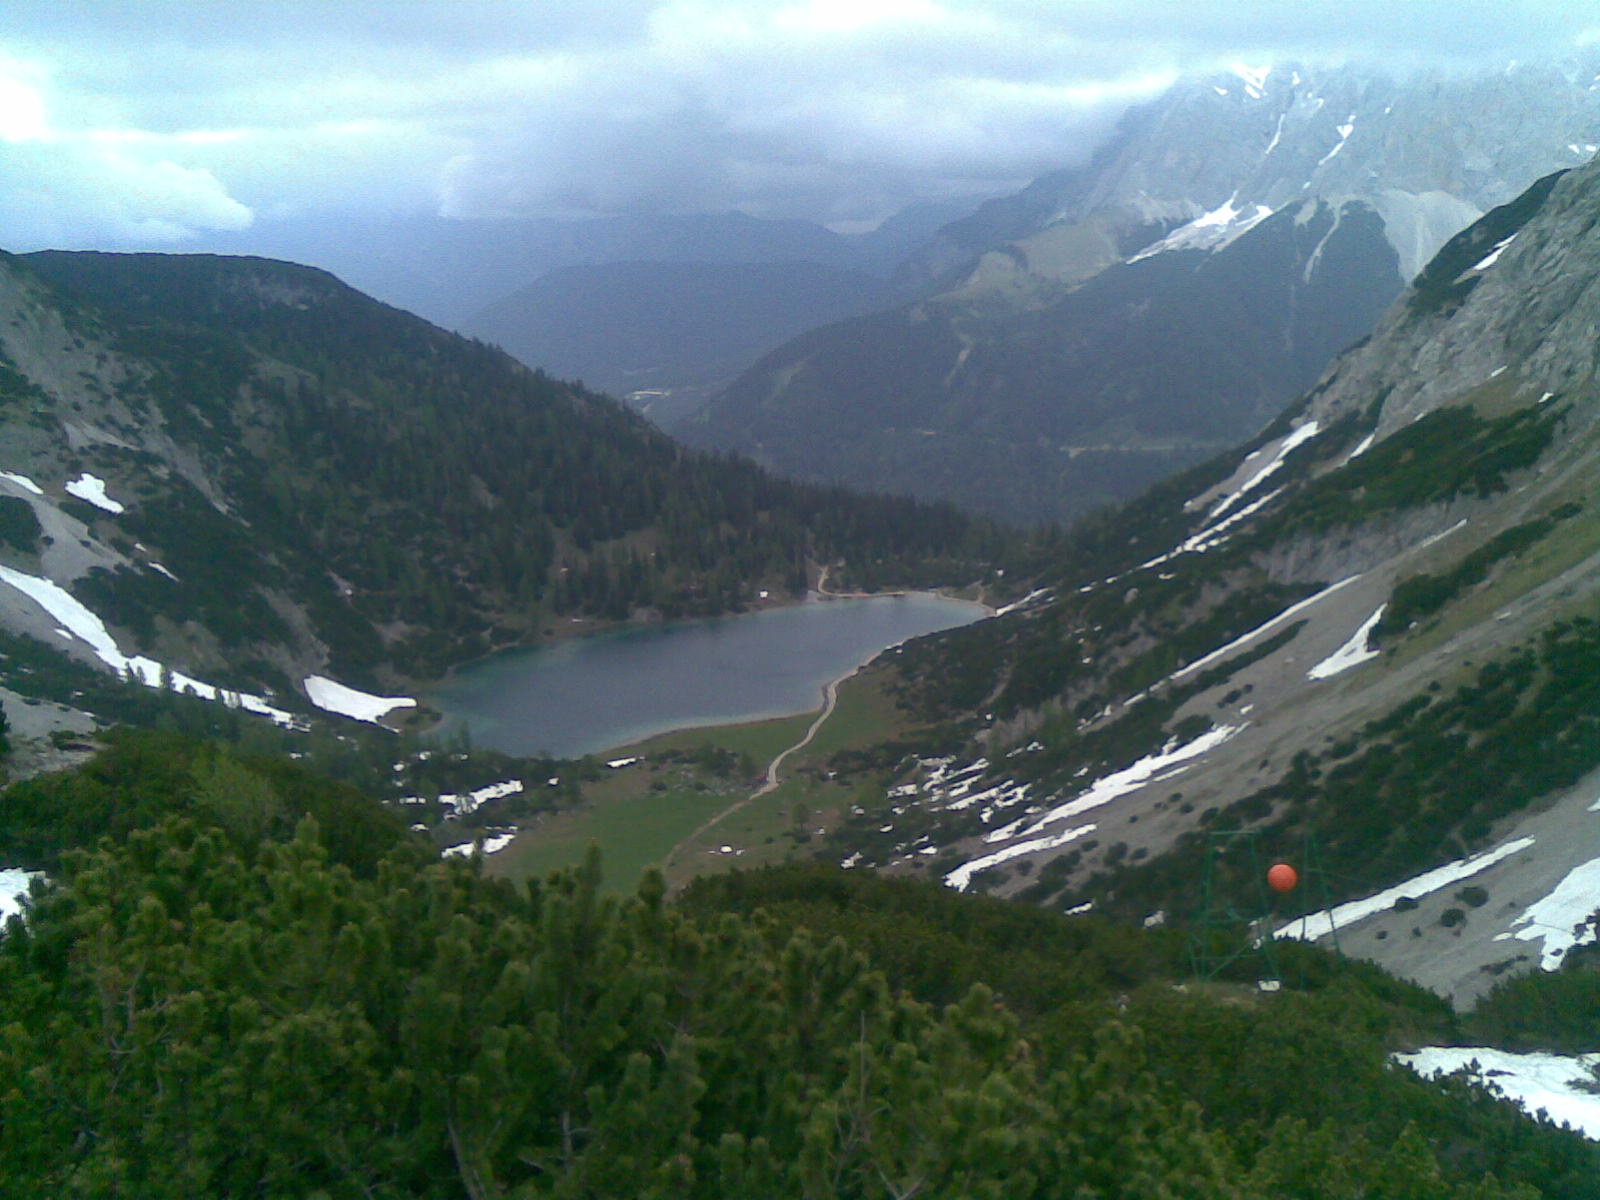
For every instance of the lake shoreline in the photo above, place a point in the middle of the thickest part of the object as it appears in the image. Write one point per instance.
(754, 666)
(578, 628)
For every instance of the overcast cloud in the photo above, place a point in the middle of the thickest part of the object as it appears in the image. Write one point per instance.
(127, 124)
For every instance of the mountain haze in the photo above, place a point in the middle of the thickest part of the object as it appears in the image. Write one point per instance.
(668, 332)
(1242, 844)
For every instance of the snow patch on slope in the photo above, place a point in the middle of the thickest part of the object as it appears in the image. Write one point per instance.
(491, 845)
(1037, 596)
(1255, 78)
(1210, 231)
(1277, 136)
(332, 696)
(462, 803)
(14, 883)
(1352, 653)
(1489, 259)
(82, 624)
(961, 877)
(1345, 131)
(1319, 924)
(1296, 438)
(93, 489)
(1538, 1082)
(1558, 918)
(1171, 760)
(23, 482)
(1260, 630)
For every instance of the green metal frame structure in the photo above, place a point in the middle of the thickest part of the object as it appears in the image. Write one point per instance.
(1223, 933)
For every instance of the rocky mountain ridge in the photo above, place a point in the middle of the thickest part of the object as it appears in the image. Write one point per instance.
(997, 357)
(1363, 641)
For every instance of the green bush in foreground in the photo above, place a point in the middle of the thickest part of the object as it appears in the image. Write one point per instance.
(209, 1007)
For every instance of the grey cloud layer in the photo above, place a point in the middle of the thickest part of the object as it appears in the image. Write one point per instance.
(162, 117)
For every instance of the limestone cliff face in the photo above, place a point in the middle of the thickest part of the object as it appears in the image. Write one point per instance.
(1515, 297)
(1432, 152)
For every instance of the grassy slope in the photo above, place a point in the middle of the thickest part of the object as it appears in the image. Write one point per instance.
(666, 809)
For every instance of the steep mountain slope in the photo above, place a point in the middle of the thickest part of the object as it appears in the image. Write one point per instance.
(1366, 640)
(241, 472)
(1047, 317)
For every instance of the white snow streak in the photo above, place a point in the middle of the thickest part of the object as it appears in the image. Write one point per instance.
(87, 627)
(961, 877)
(1036, 594)
(1212, 534)
(468, 802)
(1294, 440)
(1255, 78)
(1261, 629)
(13, 887)
(1429, 881)
(1276, 135)
(1441, 535)
(1210, 231)
(491, 845)
(1493, 256)
(1535, 1081)
(93, 489)
(332, 696)
(23, 482)
(1171, 760)
(1352, 653)
(1555, 918)
(1345, 131)
(1362, 447)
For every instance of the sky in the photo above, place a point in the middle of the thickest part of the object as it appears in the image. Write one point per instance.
(146, 123)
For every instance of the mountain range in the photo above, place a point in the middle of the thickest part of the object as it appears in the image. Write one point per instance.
(1113, 323)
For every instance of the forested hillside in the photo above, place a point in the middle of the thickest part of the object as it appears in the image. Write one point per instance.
(239, 997)
(398, 498)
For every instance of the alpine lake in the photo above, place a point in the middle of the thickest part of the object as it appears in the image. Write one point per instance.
(589, 694)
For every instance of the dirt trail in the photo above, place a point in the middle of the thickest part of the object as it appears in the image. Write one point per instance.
(830, 698)
(823, 591)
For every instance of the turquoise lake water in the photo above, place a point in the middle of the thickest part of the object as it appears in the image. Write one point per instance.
(589, 694)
